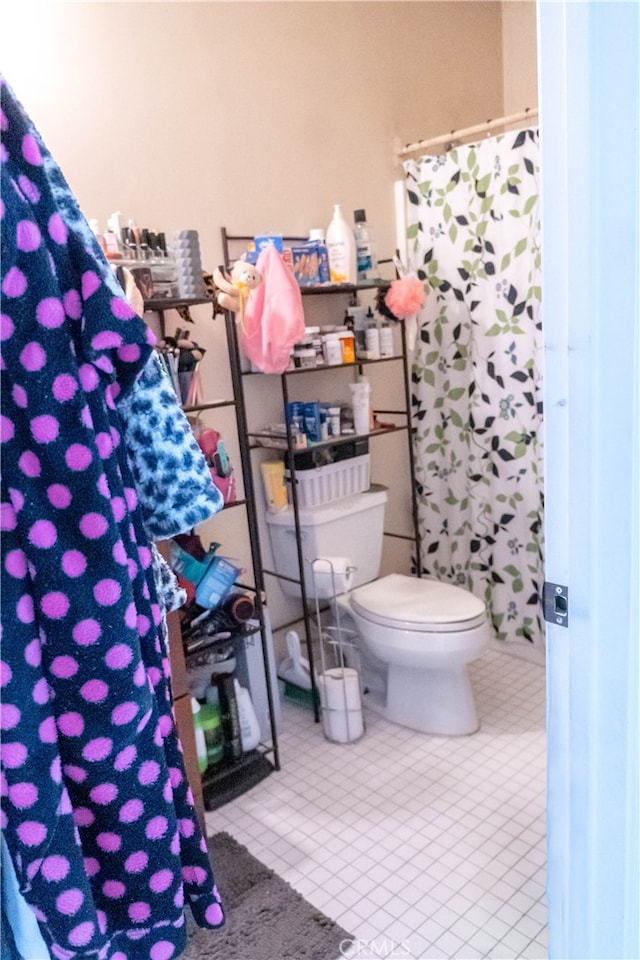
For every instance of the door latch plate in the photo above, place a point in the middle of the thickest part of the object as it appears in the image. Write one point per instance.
(555, 599)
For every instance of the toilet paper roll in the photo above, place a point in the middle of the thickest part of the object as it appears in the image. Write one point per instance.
(332, 576)
(341, 705)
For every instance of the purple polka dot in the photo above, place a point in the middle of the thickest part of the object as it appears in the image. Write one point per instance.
(103, 363)
(104, 793)
(45, 428)
(139, 912)
(131, 811)
(75, 773)
(161, 880)
(55, 605)
(7, 430)
(104, 445)
(14, 283)
(41, 693)
(214, 915)
(7, 517)
(9, 716)
(15, 564)
(162, 950)
(103, 486)
(32, 653)
(124, 713)
(28, 236)
(94, 691)
(72, 304)
(140, 675)
(47, 731)
(6, 327)
(31, 150)
(50, 313)
(118, 657)
(57, 229)
(33, 357)
(65, 387)
(83, 817)
(5, 673)
(93, 525)
(55, 771)
(148, 773)
(130, 353)
(17, 499)
(89, 377)
(109, 842)
(78, 457)
(69, 902)
(98, 749)
(86, 632)
(64, 667)
(86, 418)
(131, 616)
(107, 592)
(55, 868)
(32, 833)
(106, 340)
(24, 609)
(156, 828)
(43, 534)
(125, 758)
(121, 309)
(119, 553)
(23, 795)
(186, 827)
(114, 889)
(74, 563)
(29, 463)
(59, 496)
(20, 397)
(71, 724)
(29, 189)
(90, 283)
(91, 867)
(82, 934)
(13, 754)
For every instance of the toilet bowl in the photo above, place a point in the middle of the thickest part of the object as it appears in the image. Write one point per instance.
(416, 638)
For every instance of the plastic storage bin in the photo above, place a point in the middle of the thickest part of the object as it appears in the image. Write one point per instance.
(333, 481)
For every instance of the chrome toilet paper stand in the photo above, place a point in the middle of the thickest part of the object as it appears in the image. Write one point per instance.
(339, 685)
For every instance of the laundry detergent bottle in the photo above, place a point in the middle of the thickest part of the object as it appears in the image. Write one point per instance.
(341, 246)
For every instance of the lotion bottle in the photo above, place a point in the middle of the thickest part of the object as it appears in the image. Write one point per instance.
(341, 247)
(367, 262)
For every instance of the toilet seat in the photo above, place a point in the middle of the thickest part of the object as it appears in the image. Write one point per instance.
(411, 603)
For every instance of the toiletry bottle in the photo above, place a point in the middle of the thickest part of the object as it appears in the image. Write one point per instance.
(341, 244)
(317, 237)
(367, 263)
(386, 339)
(372, 338)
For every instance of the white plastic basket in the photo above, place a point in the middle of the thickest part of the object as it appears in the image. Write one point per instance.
(332, 482)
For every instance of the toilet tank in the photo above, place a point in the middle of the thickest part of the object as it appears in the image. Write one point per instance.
(350, 528)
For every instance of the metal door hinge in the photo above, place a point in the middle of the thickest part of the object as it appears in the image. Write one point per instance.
(555, 599)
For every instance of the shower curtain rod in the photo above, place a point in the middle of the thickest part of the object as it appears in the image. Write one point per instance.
(467, 131)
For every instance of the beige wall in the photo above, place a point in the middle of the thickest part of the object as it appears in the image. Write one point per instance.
(519, 55)
(259, 116)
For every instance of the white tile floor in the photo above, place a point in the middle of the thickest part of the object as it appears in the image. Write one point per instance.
(419, 846)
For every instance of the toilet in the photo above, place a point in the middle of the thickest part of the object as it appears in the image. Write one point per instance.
(414, 636)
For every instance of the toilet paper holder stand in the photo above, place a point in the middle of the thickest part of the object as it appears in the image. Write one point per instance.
(339, 686)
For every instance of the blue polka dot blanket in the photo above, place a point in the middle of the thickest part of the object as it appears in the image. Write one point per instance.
(96, 809)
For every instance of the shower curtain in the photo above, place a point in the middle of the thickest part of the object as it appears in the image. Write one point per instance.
(473, 238)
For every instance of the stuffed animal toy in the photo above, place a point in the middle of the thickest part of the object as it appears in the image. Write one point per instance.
(235, 287)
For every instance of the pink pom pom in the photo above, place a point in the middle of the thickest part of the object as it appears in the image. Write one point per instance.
(405, 297)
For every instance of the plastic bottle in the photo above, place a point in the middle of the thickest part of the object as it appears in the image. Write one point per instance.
(249, 726)
(316, 236)
(341, 245)
(367, 262)
(211, 725)
(386, 340)
(372, 338)
(201, 744)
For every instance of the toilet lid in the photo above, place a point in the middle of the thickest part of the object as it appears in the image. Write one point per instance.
(418, 604)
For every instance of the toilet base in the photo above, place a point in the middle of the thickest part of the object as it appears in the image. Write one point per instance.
(439, 702)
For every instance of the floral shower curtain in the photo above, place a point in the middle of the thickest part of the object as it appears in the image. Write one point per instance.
(473, 231)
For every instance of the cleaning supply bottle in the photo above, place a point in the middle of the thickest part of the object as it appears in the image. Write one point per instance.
(249, 726)
(201, 744)
(341, 245)
(367, 262)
